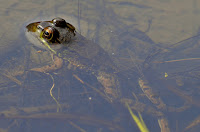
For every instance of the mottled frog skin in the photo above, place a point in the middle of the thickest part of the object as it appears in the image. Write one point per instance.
(74, 51)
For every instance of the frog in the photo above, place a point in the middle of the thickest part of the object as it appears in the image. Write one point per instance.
(72, 51)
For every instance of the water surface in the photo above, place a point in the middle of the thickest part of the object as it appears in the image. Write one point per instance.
(140, 37)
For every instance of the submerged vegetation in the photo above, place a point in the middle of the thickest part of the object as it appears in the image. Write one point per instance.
(139, 121)
(41, 88)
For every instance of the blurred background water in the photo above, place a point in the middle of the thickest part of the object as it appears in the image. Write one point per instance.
(130, 31)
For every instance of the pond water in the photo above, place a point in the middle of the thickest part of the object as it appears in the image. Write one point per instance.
(152, 45)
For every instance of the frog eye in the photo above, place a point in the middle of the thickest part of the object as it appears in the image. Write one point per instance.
(48, 33)
(59, 22)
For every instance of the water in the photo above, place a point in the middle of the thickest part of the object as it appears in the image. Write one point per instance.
(129, 32)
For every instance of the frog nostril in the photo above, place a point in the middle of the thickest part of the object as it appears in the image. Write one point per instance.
(39, 27)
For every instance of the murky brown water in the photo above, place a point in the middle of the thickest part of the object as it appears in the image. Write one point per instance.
(130, 32)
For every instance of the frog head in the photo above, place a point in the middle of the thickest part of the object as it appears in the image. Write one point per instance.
(50, 34)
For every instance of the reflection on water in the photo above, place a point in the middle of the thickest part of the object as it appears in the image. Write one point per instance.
(130, 32)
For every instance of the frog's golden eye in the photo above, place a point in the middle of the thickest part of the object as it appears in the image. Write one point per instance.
(48, 33)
